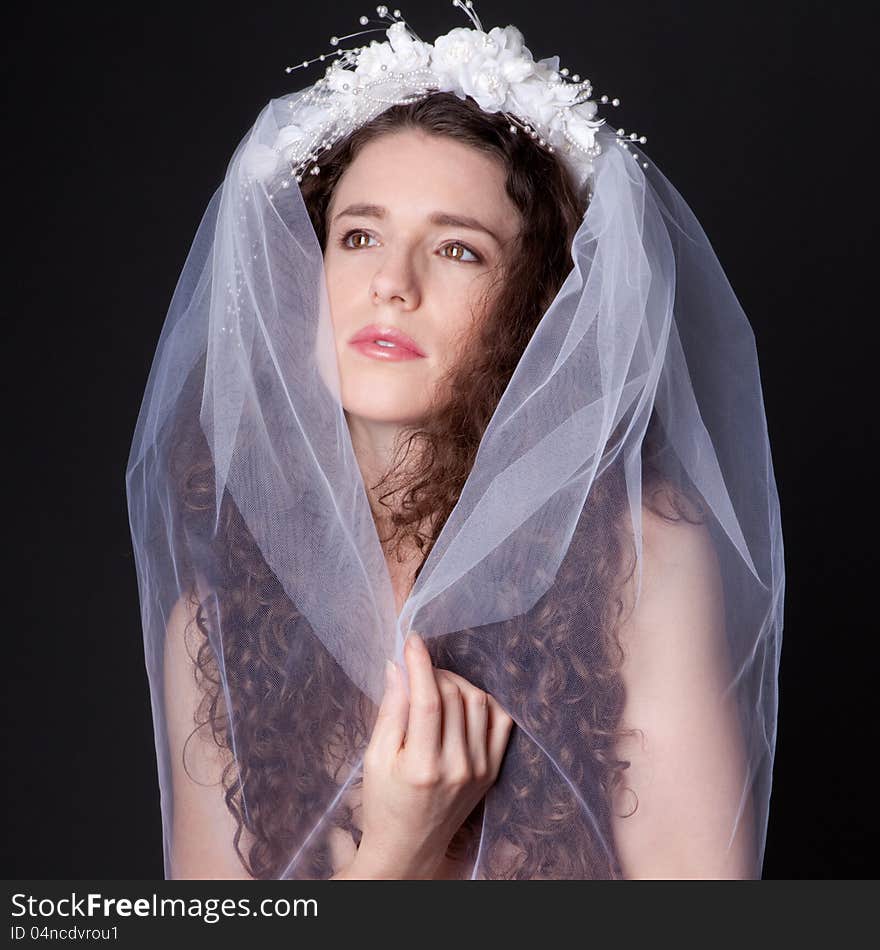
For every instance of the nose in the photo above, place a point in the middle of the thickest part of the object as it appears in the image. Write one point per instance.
(395, 280)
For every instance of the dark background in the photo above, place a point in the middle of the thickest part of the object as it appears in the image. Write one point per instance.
(119, 123)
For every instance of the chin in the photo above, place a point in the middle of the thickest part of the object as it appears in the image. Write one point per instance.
(380, 400)
(377, 405)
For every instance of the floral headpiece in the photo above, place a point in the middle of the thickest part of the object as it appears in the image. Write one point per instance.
(495, 69)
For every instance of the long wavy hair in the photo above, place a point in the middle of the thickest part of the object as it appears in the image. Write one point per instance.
(291, 705)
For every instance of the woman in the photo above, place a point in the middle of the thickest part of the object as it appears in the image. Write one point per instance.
(592, 692)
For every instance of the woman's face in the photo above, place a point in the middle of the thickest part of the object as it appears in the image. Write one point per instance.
(396, 258)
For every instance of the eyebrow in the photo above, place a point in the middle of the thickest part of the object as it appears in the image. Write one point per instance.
(441, 218)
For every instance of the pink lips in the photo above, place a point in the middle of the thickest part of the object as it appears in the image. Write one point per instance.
(405, 348)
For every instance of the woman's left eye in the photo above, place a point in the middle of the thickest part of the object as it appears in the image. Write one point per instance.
(474, 255)
(475, 258)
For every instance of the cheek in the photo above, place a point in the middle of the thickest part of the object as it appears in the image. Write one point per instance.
(459, 339)
(347, 281)
(340, 288)
(472, 309)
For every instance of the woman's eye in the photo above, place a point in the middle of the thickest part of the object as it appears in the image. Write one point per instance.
(474, 258)
(346, 236)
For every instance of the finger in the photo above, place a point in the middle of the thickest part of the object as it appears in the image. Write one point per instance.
(424, 728)
(476, 709)
(453, 741)
(389, 730)
(500, 726)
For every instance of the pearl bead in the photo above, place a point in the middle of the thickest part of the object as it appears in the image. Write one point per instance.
(615, 102)
(364, 20)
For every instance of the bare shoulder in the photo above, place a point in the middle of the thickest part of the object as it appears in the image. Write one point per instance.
(672, 629)
(687, 765)
(680, 572)
(675, 530)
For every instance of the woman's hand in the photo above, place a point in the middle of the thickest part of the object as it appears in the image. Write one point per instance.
(430, 760)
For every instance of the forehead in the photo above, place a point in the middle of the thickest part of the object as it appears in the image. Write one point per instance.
(413, 174)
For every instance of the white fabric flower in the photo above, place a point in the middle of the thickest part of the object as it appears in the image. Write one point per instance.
(510, 43)
(289, 135)
(293, 139)
(259, 161)
(291, 142)
(581, 130)
(451, 58)
(531, 98)
(345, 102)
(482, 65)
(372, 59)
(456, 51)
(409, 53)
(547, 67)
(400, 53)
(338, 76)
(586, 110)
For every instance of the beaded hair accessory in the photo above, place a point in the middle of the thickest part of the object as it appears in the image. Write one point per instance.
(495, 69)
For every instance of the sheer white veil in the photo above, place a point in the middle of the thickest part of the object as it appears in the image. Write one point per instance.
(644, 360)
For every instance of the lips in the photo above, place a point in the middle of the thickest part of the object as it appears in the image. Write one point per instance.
(375, 331)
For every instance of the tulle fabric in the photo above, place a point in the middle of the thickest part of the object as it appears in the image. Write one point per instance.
(644, 355)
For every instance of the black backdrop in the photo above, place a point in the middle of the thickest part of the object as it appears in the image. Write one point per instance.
(119, 124)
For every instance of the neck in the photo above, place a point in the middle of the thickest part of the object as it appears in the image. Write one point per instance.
(375, 446)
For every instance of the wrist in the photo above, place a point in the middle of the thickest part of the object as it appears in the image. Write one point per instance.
(372, 864)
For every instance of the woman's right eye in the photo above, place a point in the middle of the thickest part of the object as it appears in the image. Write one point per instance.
(343, 241)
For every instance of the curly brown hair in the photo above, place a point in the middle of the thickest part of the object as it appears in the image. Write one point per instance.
(289, 703)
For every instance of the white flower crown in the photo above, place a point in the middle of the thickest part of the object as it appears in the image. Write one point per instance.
(495, 69)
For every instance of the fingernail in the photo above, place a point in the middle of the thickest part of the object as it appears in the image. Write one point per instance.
(389, 673)
(415, 639)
